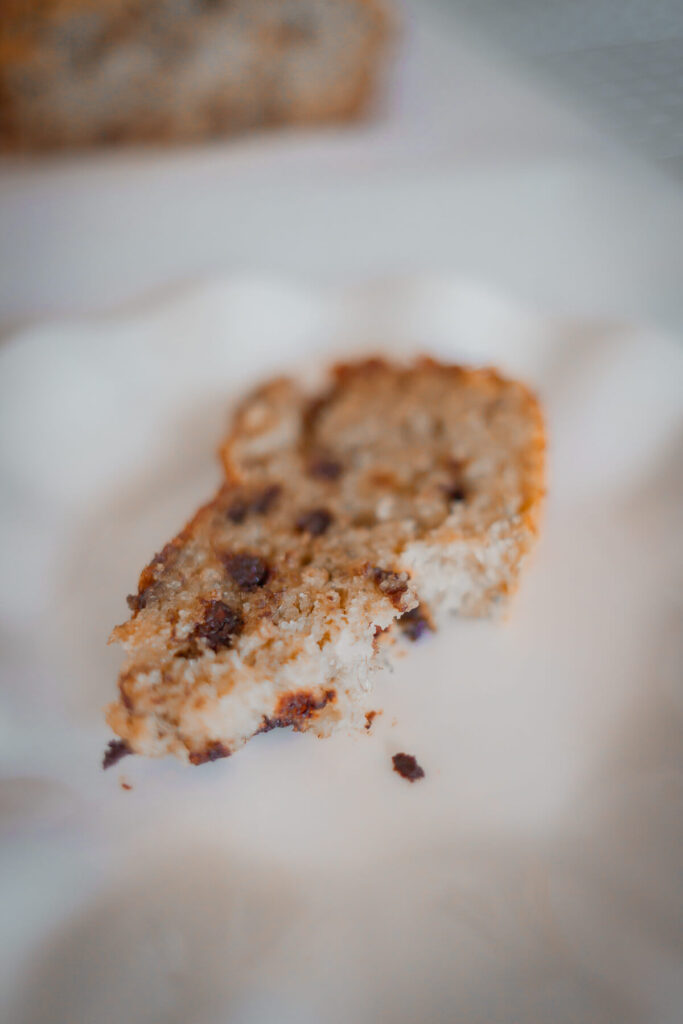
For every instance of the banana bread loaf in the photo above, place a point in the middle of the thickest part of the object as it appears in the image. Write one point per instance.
(78, 72)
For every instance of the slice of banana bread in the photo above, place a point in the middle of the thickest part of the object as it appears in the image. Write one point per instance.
(74, 72)
(398, 495)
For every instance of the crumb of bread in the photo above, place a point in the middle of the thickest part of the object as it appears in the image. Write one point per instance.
(407, 767)
(370, 717)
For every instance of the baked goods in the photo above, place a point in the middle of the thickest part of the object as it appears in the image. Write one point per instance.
(396, 488)
(74, 72)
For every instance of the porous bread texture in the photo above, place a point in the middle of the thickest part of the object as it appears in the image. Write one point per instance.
(76, 73)
(397, 487)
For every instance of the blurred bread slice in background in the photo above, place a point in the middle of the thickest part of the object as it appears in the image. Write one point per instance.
(89, 72)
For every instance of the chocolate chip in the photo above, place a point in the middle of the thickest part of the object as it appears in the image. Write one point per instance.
(135, 602)
(314, 522)
(116, 749)
(389, 582)
(213, 752)
(455, 493)
(407, 767)
(248, 571)
(325, 469)
(221, 623)
(237, 512)
(261, 503)
(414, 624)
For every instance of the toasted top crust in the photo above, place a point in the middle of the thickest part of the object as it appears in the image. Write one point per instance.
(271, 597)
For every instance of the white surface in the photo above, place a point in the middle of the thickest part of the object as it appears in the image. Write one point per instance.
(465, 168)
(621, 62)
(532, 876)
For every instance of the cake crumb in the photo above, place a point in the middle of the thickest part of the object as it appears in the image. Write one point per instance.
(407, 767)
(124, 784)
(370, 716)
